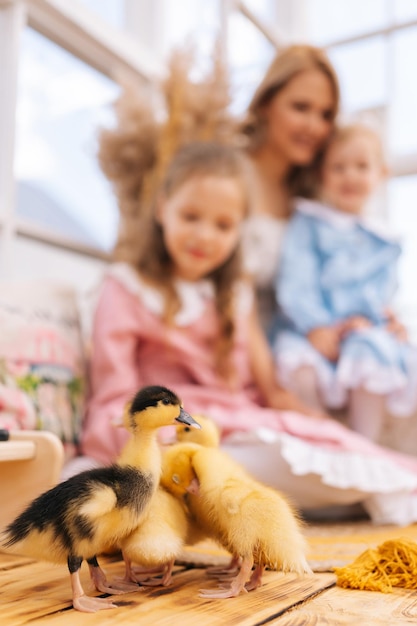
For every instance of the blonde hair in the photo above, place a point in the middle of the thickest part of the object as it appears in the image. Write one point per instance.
(341, 134)
(152, 258)
(287, 64)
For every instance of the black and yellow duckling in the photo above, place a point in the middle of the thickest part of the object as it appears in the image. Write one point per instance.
(166, 529)
(78, 518)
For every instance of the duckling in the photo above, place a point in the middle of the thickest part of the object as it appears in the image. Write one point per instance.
(253, 522)
(76, 519)
(161, 536)
(207, 435)
(157, 542)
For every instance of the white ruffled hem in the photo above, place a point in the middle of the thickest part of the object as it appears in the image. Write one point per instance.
(345, 469)
(387, 491)
(389, 381)
(399, 389)
(331, 391)
(399, 509)
(354, 373)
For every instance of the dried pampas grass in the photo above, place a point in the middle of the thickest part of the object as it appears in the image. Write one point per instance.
(135, 153)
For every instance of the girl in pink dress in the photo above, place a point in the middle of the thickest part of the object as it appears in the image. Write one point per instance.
(183, 316)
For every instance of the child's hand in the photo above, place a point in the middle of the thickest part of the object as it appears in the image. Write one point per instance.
(283, 400)
(395, 327)
(356, 322)
(326, 340)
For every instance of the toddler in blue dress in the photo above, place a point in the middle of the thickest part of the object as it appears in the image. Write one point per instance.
(336, 281)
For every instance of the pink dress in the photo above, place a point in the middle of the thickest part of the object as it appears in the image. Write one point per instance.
(317, 461)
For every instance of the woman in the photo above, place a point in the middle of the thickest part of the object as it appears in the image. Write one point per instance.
(289, 119)
(290, 116)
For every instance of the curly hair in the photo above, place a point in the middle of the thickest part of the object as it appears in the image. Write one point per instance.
(151, 126)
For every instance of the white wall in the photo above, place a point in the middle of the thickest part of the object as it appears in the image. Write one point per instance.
(36, 260)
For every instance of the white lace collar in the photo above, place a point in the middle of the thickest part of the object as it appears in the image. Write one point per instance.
(345, 220)
(193, 295)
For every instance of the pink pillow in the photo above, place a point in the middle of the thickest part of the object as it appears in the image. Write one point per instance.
(42, 364)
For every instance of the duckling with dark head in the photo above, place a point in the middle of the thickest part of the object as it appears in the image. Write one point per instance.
(79, 518)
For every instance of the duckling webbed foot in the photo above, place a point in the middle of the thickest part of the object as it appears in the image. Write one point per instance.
(236, 586)
(84, 603)
(229, 571)
(255, 580)
(101, 583)
(142, 574)
(166, 576)
(87, 604)
(229, 591)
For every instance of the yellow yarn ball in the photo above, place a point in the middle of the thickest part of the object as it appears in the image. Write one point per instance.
(392, 564)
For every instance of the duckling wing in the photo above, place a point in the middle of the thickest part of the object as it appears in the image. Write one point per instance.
(161, 535)
(75, 509)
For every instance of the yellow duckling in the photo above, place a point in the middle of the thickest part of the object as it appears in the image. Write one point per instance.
(78, 518)
(161, 536)
(157, 542)
(207, 435)
(253, 522)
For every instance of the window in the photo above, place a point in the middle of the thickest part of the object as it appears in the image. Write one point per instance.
(113, 11)
(405, 10)
(403, 127)
(61, 104)
(249, 53)
(63, 100)
(352, 62)
(189, 21)
(402, 211)
(200, 23)
(330, 21)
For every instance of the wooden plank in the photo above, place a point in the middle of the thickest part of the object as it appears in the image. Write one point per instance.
(344, 607)
(17, 450)
(23, 480)
(39, 593)
(335, 545)
(10, 561)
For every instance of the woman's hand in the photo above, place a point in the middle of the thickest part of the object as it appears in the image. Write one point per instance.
(326, 340)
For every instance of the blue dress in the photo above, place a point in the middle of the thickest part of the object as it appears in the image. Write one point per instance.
(334, 266)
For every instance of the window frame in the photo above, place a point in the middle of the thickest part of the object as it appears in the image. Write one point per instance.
(88, 37)
(117, 54)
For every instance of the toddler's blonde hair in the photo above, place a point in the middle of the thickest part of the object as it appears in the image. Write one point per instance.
(345, 132)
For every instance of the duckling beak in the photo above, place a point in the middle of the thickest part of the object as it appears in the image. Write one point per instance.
(185, 418)
(194, 487)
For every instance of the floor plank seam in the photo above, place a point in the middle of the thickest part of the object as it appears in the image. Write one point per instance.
(295, 605)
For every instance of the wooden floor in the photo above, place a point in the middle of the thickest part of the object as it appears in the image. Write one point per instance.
(38, 593)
